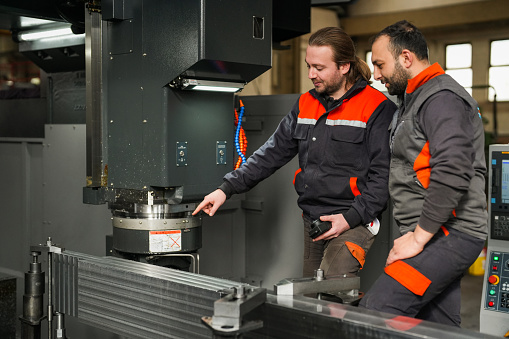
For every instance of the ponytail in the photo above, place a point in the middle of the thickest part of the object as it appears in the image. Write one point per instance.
(363, 69)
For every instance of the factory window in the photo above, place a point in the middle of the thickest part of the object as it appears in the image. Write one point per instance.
(499, 70)
(458, 64)
(375, 83)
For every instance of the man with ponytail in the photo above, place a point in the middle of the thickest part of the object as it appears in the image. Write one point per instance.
(339, 130)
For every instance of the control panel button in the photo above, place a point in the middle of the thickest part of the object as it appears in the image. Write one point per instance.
(494, 279)
(491, 303)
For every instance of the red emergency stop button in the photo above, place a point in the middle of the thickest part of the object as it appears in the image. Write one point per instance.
(491, 303)
(494, 279)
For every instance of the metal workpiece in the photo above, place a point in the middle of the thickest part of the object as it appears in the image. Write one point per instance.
(139, 300)
(134, 299)
(319, 284)
(302, 317)
(229, 312)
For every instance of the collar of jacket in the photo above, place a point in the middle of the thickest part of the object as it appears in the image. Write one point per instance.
(422, 78)
(358, 86)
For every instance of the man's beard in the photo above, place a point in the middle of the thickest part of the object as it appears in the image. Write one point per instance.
(332, 87)
(398, 80)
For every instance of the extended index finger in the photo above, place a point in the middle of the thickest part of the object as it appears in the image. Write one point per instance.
(201, 206)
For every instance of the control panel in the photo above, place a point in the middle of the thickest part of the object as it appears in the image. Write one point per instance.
(494, 313)
(497, 287)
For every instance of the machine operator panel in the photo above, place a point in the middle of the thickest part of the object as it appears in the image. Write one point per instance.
(497, 291)
(497, 269)
(499, 196)
(494, 313)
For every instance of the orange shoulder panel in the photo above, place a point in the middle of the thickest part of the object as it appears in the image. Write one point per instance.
(310, 107)
(361, 106)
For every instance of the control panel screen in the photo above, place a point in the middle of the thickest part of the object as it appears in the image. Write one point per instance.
(499, 198)
(505, 182)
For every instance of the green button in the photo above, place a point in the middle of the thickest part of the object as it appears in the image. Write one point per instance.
(492, 292)
(495, 258)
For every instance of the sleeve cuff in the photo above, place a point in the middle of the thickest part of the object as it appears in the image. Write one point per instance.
(428, 225)
(227, 189)
(352, 217)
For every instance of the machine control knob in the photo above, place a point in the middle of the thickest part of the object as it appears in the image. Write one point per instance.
(494, 279)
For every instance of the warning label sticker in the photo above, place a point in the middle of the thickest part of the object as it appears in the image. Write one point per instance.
(165, 241)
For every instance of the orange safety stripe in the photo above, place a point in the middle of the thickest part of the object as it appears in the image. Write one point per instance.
(403, 323)
(295, 176)
(423, 77)
(409, 277)
(359, 107)
(446, 232)
(353, 186)
(422, 167)
(310, 107)
(357, 252)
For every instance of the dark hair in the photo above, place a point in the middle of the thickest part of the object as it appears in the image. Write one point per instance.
(404, 35)
(343, 50)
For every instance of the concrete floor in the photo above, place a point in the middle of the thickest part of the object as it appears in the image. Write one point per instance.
(471, 292)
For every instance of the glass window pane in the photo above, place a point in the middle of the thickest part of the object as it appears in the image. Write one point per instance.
(499, 53)
(368, 61)
(499, 78)
(378, 85)
(462, 76)
(458, 56)
(374, 83)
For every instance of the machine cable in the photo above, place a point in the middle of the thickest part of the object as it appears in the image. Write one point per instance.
(240, 137)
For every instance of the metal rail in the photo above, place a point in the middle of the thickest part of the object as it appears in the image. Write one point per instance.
(140, 300)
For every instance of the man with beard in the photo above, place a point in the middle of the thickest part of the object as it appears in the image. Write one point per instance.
(436, 182)
(338, 130)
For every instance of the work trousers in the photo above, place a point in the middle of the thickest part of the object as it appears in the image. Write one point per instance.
(342, 255)
(427, 286)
